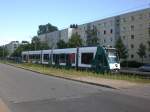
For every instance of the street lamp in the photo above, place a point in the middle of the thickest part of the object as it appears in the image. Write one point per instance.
(3, 51)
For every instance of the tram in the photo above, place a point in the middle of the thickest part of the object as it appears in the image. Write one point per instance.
(96, 58)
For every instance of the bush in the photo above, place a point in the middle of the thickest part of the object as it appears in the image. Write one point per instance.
(131, 64)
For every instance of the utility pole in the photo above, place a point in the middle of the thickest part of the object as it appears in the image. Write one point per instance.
(3, 51)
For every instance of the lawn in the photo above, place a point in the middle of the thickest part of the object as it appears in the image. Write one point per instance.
(72, 73)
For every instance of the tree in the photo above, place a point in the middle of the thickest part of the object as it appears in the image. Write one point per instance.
(22, 47)
(35, 43)
(122, 51)
(92, 38)
(46, 29)
(25, 42)
(26, 46)
(75, 41)
(142, 51)
(73, 26)
(61, 44)
(3, 52)
(148, 45)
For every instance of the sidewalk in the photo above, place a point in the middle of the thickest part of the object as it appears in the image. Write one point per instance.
(118, 84)
(108, 83)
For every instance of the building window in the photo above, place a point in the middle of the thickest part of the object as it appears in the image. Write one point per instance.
(84, 28)
(132, 36)
(132, 56)
(132, 27)
(111, 39)
(118, 20)
(104, 32)
(124, 28)
(104, 41)
(132, 46)
(141, 16)
(111, 23)
(111, 31)
(124, 19)
(124, 37)
(104, 24)
(132, 18)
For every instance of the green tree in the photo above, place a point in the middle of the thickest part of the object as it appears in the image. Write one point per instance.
(75, 41)
(148, 45)
(35, 43)
(24, 46)
(122, 51)
(92, 38)
(3, 52)
(142, 51)
(61, 44)
(46, 29)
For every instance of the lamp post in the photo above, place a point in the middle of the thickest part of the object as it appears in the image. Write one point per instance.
(3, 51)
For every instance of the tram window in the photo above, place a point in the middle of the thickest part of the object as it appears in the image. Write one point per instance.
(24, 57)
(46, 57)
(72, 57)
(30, 56)
(62, 58)
(86, 58)
(55, 58)
(37, 56)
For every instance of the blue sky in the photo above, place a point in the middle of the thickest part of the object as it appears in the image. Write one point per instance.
(19, 19)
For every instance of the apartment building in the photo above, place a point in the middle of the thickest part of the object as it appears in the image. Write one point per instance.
(52, 38)
(12, 46)
(106, 31)
(133, 28)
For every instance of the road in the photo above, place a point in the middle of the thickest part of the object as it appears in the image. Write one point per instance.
(25, 91)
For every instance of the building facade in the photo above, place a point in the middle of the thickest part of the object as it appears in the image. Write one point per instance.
(11, 47)
(133, 28)
(52, 38)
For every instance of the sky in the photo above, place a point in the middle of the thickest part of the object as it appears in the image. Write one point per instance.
(19, 19)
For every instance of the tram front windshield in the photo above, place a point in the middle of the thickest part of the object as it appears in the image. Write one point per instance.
(113, 56)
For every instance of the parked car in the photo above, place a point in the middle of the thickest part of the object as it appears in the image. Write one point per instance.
(145, 68)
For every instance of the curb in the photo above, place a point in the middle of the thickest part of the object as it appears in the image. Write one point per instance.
(86, 82)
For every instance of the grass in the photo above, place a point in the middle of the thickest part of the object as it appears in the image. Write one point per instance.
(72, 73)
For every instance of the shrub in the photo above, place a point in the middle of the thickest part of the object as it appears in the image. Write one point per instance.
(131, 64)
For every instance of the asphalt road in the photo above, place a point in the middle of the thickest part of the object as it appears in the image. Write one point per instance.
(25, 91)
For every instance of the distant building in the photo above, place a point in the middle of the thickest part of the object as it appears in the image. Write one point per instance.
(12, 46)
(133, 28)
(52, 38)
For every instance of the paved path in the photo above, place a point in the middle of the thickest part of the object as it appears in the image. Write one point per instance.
(25, 91)
(3, 107)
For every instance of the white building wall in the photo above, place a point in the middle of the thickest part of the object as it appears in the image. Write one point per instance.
(140, 22)
(12, 46)
(121, 28)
